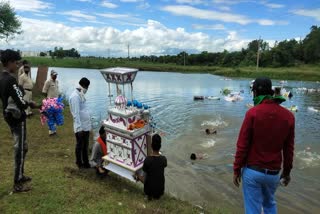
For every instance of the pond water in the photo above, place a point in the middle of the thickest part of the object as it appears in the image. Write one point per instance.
(182, 122)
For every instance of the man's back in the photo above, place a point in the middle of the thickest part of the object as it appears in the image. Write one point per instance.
(272, 129)
(268, 129)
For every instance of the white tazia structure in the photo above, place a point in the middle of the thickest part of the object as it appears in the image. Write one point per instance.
(128, 125)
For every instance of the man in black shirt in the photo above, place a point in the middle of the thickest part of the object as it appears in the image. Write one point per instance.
(13, 106)
(153, 168)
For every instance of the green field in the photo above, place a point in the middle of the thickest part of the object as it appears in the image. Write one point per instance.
(302, 72)
(59, 187)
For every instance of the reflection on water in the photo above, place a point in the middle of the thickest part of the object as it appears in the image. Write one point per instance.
(183, 121)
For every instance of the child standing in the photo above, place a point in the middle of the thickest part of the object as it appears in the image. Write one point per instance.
(153, 169)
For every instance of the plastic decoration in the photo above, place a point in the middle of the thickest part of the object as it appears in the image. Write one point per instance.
(52, 112)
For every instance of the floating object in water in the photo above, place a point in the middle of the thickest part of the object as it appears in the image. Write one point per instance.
(233, 98)
(198, 97)
(308, 90)
(213, 98)
(225, 91)
(293, 108)
(310, 108)
(283, 82)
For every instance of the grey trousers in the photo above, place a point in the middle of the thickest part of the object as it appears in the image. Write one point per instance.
(20, 149)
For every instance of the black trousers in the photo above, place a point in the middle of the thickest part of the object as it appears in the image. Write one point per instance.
(82, 146)
(19, 134)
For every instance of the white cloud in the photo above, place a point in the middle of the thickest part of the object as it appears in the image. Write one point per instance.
(84, 0)
(30, 5)
(314, 13)
(78, 15)
(153, 38)
(265, 3)
(224, 8)
(123, 18)
(144, 5)
(182, 10)
(131, 1)
(108, 4)
(230, 2)
(192, 2)
(208, 27)
(273, 6)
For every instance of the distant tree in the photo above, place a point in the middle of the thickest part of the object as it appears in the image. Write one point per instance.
(9, 22)
(311, 45)
(43, 54)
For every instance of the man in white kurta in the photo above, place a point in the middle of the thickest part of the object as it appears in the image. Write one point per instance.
(81, 122)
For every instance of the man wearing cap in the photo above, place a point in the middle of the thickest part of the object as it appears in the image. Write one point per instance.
(51, 86)
(26, 83)
(265, 144)
(51, 90)
(81, 122)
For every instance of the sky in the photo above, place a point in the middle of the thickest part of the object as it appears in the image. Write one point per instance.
(150, 27)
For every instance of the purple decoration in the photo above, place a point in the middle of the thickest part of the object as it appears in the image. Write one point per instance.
(132, 120)
(118, 120)
(129, 77)
(119, 78)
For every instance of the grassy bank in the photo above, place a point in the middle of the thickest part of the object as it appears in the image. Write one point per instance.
(302, 72)
(59, 187)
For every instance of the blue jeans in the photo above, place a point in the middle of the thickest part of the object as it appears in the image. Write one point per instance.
(258, 191)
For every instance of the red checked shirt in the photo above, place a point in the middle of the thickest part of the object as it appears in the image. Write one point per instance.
(266, 135)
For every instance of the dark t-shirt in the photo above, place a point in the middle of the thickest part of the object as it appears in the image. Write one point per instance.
(153, 167)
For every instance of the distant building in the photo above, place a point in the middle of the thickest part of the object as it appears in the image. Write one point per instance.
(29, 53)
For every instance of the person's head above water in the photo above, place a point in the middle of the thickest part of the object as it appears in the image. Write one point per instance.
(156, 143)
(193, 156)
(262, 86)
(207, 131)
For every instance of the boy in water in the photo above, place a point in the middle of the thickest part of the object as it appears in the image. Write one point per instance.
(213, 131)
(153, 168)
(195, 156)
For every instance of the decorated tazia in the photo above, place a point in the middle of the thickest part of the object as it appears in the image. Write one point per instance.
(52, 112)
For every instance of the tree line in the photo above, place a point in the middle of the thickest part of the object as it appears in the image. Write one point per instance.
(284, 53)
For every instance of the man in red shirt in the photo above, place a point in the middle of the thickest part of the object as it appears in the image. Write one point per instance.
(265, 143)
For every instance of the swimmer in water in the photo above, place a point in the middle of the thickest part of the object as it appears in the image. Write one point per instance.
(195, 156)
(213, 131)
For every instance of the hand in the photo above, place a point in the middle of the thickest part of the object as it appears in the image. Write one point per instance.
(237, 180)
(285, 180)
(34, 105)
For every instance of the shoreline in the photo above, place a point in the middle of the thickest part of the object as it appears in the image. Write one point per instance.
(59, 187)
(302, 72)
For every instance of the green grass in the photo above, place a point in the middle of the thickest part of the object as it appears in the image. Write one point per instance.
(59, 187)
(302, 72)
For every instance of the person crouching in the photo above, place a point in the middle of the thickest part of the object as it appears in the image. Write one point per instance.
(153, 168)
(99, 150)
